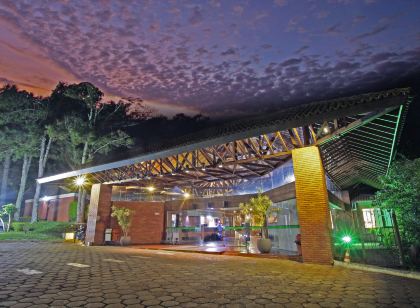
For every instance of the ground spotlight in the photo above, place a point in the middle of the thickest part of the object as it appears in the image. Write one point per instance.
(346, 239)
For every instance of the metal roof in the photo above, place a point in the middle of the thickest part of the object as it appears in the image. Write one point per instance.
(348, 130)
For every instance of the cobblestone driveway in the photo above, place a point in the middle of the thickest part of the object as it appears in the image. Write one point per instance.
(52, 274)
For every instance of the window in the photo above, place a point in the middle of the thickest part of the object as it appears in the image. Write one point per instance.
(387, 218)
(225, 204)
(210, 205)
(369, 218)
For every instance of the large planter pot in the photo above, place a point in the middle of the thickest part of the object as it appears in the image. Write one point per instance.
(125, 240)
(264, 245)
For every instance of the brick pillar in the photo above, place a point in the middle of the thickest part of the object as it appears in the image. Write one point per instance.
(312, 205)
(99, 213)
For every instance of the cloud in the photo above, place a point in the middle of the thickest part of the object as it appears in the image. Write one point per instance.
(238, 9)
(280, 3)
(229, 52)
(374, 31)
(196, 16)
(334, 29)
(203, 58)
(301, 49)
(322, 14)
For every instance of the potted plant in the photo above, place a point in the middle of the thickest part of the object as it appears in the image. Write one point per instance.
(257, 209)
(123, 216)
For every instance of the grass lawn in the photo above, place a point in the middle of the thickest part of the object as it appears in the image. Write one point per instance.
(18, 236)
(42, 231)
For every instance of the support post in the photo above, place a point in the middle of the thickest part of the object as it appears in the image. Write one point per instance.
(312, 205)
(99, 213)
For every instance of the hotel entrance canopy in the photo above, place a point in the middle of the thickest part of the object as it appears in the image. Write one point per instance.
(357, 138)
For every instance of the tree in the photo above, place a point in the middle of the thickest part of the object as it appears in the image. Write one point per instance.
(257, 208)
(400, 192)
(20, 117)
(7, 210)
(44, 150)
(88, 128)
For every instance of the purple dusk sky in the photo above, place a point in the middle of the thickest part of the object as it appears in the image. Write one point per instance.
(215, 57)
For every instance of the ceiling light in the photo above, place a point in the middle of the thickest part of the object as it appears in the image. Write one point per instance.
(80, 181)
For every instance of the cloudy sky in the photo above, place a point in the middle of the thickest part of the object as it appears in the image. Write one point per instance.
(215, 57)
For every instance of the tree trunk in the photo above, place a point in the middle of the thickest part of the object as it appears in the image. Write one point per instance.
(82, 193)
(2, 223)
(398, 238)
(79, 215)
(5, 178)
(10, 222)
(25, 170)
(45, 148)
(264, 231)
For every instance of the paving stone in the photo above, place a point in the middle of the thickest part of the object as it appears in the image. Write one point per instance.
(186, 280)
(22, 305)
(151, 302)
(169, 303)
(77, 304)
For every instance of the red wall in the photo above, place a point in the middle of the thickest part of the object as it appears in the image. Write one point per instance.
(52, 210)
(147, 223)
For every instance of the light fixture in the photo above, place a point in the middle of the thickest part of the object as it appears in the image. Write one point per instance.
(186, 195)
(187, 171)
(151, 188)
(220, 165)
(79, 181)
(203, 169)
(326, 129)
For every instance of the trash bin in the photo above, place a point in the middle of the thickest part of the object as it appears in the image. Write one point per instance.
(108, 235)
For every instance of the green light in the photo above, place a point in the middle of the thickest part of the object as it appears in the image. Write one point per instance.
(346, 239)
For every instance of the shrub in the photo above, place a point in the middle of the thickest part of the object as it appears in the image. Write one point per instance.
(20, 226)
(44, 227)
(73, 211)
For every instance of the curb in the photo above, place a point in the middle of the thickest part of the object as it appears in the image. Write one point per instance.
(377, 269)
(230, 254)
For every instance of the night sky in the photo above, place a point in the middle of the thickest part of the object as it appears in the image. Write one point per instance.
(215, 57)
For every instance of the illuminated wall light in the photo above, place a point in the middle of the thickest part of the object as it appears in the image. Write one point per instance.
(186, 195)
(151, 188)
(203, 169)
(220, 165)
(326, 130)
